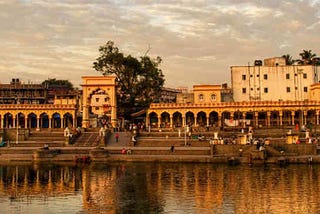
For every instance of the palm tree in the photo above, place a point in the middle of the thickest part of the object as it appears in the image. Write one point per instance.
(288, 58)
(306, 58)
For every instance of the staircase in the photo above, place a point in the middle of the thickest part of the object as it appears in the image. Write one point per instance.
(88, 139)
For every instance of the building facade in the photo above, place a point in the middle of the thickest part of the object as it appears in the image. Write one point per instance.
(273, 81)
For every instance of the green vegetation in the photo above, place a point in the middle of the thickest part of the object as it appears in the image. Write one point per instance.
(307, 58)
(139, 81)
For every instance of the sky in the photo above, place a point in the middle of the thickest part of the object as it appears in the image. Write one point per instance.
(198, 40)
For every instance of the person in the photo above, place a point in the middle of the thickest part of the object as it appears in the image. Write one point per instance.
(172, 148)
(117, 137)
(123, 151)
(133, 140)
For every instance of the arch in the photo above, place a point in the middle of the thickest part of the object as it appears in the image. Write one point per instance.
(311, 118)
(213, 118)
(201, 119)
(165, 120)
(177, 119)
(8, 120)
(190, 118)
(153, 120)
(20, 121)
(298, 118)
(44, 120)
(32, 120)
(56, 119)
(68, 120)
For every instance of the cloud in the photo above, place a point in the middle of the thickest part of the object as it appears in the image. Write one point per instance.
(196, 39)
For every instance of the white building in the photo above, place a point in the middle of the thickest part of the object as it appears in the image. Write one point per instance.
(272, 81)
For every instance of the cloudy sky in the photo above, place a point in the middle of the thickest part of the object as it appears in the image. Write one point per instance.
(198, 40)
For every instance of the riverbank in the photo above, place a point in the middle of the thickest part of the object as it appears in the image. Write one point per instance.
(228, 154)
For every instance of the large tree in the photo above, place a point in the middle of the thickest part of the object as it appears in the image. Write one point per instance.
(139, 81)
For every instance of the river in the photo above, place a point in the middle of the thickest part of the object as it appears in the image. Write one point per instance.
(158, 188)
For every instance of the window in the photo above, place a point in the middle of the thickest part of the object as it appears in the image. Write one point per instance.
(304, 76)
(97, 99)
(243, 77)
(305, 89)
(287, 76)
(288, 89)
(213, 97)
(244, 90)
(106, 99)
(201, 97)
(97, 108)
(258, 75)
(265, 76)
(265, 90)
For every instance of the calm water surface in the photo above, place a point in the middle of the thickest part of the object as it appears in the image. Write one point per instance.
(159, 188)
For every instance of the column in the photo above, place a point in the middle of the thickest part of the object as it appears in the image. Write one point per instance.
(1, 122)
(14, 122)
(305, 113)
(38, 123)
(317, 118)
(207, 118)
(50, 122)
(26, 122)
(268, 118)
(280, 117)
(195, 121)
(219, 119)
(147, 120)
(62, 123)
(159, 122)
(85, 117)
(183, 121)
(292, 117)
(171, 121)
(256, 117)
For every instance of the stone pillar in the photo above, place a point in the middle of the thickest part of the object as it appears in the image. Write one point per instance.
(26, 122)
(85, 116)
(207, 118)
(159, 122)
(280, 118)
(317, 118)
(268, 118)
(38, 123)
(62, 123)
(171, 122)
(305, 113)
(292, 118)
(256, 117)
(14, 122)
(195, 121)
(50, 122)
(147, 120)
(220, 120)
(183, 121)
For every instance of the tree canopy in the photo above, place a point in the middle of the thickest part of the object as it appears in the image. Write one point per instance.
(139, 80)
(58, 83)
(307, 58)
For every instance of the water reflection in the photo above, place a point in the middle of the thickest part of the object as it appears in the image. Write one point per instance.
(158, 188)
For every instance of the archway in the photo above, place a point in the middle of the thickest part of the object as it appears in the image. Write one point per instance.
(44, 120)
(8, 120)
(32, 121)
(165, 120)
(190, 118)
(201, 119)
(68, 120)
(177, 119)
(213, 118)
(56, 120)
(153, 120)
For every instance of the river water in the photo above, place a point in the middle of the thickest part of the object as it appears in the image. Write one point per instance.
(159, 188)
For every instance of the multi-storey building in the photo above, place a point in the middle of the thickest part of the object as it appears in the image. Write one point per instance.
(272, 81)
(19, 92)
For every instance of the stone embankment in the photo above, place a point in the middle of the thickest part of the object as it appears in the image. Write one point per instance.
(164, 148)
